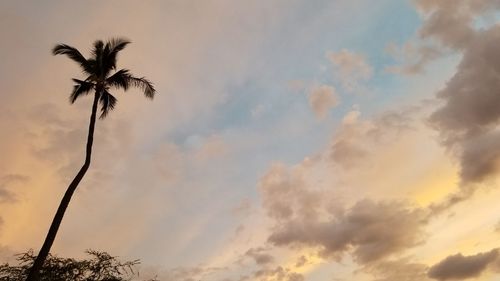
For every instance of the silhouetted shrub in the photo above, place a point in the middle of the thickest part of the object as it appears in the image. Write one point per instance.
(100, 266)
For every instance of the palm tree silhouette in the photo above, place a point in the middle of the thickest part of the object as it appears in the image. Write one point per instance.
(101, 77)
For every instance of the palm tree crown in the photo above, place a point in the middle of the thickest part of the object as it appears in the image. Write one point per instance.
(101, 78)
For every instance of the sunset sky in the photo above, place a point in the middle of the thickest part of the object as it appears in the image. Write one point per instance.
(289, 140)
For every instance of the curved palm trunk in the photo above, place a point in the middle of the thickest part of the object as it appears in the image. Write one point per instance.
(56, 222)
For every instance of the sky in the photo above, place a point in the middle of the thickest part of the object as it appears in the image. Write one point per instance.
(289, 140)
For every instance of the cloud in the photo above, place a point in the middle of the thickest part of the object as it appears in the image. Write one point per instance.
(362, 228)
(449, 23)
(284, 195)
(278, 273)
(480, 158)
(452, 22)
(300, 220)
(398, 270)
(347, 148)
(469, 117)
(356, 138)
(459, 267)
(323, 205)
(6, 181)
(301, 261)
(259, 255)
(412, 57)
(199, 272)
(351, 69)
(321, 99)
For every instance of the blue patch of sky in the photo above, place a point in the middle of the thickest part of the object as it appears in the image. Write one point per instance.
(290, 56)
(390, 22)
(296, 51)
(487, 21)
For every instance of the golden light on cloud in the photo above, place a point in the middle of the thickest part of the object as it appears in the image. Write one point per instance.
(304, 261)
(436, 185)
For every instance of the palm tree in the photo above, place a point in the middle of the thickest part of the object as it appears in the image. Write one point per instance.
(100, 69)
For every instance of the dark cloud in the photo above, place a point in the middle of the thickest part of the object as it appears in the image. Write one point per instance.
(448, 23)
(284, 195)
(362, 229)
(468, 119)
(480, 157)
(451, 22)
(305, 216)
(470, 115)
(301, 261)
(470, 97)
(259, 255)
(459, 267)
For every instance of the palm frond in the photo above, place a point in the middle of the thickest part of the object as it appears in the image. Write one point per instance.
(110, 53)
(120, 79)
(108, 103)
(97, 50)
(74, 54)
(124, 79)
(93, 65)
(97, 56)
(145, 85)
(80, 88)
(117, 44)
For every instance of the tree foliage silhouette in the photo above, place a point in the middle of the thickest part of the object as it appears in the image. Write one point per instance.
(100, 69)
(99, 267)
